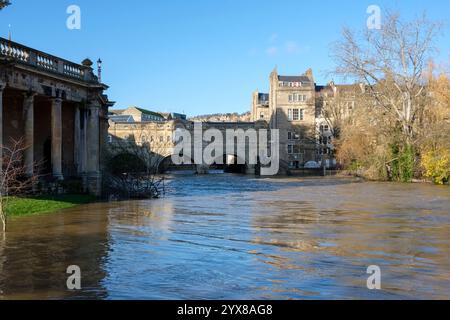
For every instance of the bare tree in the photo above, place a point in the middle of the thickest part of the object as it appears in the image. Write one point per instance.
(337, 110)
(390, 62)
(134, 162)
(4, 3)
(13, 177)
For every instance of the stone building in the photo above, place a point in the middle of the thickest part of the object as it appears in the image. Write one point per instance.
(135, 114)
(60, 111)
(290, 107)
(334, 104)
(294, 105)
(260, 107)
(157, 135)
(154, 141)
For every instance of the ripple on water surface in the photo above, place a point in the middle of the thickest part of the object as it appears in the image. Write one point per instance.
(235, 237)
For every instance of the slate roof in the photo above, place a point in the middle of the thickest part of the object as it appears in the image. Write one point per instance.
(303, 79)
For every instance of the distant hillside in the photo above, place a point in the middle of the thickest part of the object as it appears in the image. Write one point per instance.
(223, 117)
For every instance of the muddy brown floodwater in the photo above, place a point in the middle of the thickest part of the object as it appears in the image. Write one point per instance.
(224, 236)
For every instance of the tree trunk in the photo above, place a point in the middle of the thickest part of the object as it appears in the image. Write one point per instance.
(3, 218)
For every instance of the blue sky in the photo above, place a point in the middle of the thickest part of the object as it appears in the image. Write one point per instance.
(198, 56)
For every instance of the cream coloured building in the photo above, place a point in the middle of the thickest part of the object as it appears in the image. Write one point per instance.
(294, 106)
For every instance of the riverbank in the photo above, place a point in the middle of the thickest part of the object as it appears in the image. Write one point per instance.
(45, 204)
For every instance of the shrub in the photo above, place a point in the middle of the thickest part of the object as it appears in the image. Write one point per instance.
(403, 163)
(437, 165)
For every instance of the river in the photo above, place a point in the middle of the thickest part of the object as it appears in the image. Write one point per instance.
(224, 236)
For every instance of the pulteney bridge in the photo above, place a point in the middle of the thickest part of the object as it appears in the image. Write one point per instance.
(158, 137)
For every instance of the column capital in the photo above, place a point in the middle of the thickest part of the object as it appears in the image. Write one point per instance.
(56, 100)
(29, 95)
(93, 106)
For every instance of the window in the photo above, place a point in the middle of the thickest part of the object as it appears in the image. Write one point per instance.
(262, 115)
(324, 140)
(290, 98)
(290, 148)
(301, 114)
(293, 136)
(296, 149)
(295, 115)
(161, 139)
(290, 118)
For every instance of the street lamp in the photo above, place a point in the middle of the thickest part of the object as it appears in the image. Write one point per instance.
(99, 66)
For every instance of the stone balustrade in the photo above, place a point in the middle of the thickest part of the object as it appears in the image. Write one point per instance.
(43, 61)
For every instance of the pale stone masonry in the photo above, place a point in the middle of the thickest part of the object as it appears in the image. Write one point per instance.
(59, 110)
(293, 106)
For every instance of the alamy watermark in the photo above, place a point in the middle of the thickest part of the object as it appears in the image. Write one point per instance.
(374, 280)
(73, 22)
(251, 147)
(374, 20)
(74, 280)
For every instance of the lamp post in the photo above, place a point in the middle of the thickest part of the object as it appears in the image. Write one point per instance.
(99, 66)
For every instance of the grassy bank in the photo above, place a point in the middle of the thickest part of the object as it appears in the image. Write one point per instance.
(45, 204)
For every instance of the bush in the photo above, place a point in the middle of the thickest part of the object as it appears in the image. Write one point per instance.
(437, 165)
(403, 165)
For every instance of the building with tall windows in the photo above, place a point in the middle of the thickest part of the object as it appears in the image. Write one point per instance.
(295, 105)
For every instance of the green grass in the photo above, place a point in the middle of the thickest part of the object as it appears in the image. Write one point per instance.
(45, 204)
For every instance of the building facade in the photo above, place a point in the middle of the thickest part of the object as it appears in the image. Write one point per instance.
(59, 109)
(295, 106)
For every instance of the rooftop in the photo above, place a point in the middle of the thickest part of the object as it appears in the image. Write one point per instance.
(31, 58)
(294, 78)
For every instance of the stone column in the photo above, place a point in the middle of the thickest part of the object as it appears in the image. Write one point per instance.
(57, 138)
(28, 110)
(93, 150)
(93, 140)
(2, 87)
(77, 146)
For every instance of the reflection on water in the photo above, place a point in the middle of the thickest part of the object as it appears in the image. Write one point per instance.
(237, 237)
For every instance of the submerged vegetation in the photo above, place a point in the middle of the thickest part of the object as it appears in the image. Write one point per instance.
(45, 204)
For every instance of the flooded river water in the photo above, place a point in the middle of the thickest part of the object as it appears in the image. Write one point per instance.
(226, 236)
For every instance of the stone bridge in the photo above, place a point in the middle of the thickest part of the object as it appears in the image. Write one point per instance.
(158, 138)
(58, 108)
